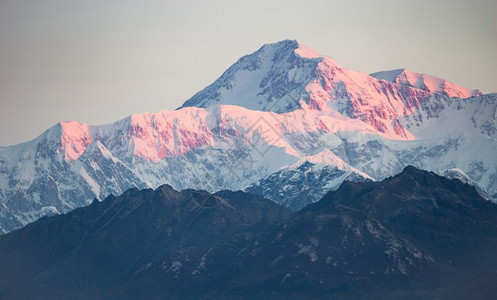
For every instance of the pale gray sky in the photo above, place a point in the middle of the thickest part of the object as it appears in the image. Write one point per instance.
(99, 61)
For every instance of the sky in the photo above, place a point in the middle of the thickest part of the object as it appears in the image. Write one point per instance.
(100, 61)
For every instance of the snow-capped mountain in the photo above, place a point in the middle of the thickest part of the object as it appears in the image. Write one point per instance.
(307, 180)
(284, 112)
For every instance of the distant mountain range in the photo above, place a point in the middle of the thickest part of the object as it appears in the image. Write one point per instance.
(412, 236)
(282, 121)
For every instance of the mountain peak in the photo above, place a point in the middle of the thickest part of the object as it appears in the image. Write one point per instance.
(288, 44)
(426, 82)
(74, 139)
(286, 76)
(273, 78)
(295, 47)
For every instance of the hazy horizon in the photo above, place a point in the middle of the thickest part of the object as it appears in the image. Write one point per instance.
(97, 62)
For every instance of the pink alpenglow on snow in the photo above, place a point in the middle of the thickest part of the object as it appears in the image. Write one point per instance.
(427, 83)
(332, 99)
(287, 76)
(74, 139)
(154, 136)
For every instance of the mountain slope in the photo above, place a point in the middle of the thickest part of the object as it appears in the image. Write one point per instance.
(283, 105)
(438, 233)
(415, 235)
(107, 243)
